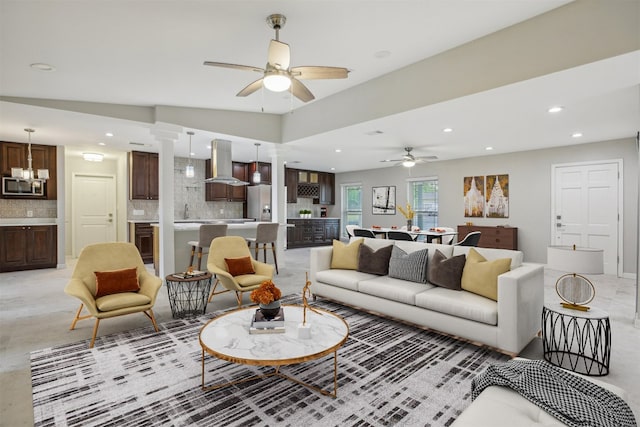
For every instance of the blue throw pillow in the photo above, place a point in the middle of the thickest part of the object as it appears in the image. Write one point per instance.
(411, 267)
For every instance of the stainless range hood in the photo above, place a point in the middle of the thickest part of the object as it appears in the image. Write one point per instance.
(221, 165)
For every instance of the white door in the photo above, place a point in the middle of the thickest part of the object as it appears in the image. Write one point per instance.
(94, 210)
(586, 206)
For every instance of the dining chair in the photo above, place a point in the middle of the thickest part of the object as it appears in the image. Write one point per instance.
(447, 240)
(362, 232)
(470, 239)
(207, 232)
(350, 229)
(399, 235)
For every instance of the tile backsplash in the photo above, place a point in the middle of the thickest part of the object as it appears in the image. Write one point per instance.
(20, 208)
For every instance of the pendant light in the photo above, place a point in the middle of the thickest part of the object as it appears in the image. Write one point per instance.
(189, 171)
(29, 174)
(256, 174)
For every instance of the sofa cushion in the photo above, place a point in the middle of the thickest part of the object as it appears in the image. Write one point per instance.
(446, 272)
(345, 256)
(239, 266)
(116, 281)
(374, 261)
(481, 276)
(121, 300)
(517, 257)
(347, 279)
(393, 289)
(460, 304)
(412, 267)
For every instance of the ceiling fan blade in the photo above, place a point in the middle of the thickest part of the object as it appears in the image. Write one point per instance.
(318, 72)
(250, 88)
(279, 55)
(393, 160)
(234, 66)
(300, 91)
(427, 158)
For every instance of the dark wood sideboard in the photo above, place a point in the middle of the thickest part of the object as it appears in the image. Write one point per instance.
(492, 237)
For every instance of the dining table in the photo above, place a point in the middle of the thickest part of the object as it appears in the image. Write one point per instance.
(430, 235)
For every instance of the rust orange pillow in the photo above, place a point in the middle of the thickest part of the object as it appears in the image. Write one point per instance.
(116, 281)
(239, 266)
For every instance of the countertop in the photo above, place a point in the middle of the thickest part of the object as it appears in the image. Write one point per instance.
(191, 226)
(195, 220)
(315, 217)
(28, 221)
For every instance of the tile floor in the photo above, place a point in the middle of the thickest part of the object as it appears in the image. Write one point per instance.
(35, 313)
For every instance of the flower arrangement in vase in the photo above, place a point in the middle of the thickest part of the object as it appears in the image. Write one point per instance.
(267, 296)
(408, 214)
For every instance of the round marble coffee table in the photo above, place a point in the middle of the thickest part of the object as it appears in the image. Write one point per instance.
(227, 337)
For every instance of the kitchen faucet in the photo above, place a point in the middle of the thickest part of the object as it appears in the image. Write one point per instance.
(186, 211)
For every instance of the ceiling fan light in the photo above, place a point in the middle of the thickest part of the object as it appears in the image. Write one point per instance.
(277, 82)
(408, 163)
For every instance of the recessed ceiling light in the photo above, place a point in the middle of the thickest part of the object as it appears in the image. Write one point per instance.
(338, 150)
(488, 148)
(40, 66)
(447, 130)
(109, 134)
(555, 109)
(382, 54)
(102, 143)
(333, 169)
(576, 135)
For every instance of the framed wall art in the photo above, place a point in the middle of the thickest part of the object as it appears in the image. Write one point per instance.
(384, 200)
(473, 191)
(497, 196)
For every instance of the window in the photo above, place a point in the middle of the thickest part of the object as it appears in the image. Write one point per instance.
(352, 206)
(423, 193)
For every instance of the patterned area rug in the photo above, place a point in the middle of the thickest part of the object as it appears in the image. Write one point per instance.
(389, 374)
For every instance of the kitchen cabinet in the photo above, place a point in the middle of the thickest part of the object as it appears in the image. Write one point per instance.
(141, 234)
(327, 188)
(224, 192)
(492, 237)
(265, 173)
(15, 154)
(312, 232)
(291, 182)
(28, 247)
(143, 176)
(307, 177)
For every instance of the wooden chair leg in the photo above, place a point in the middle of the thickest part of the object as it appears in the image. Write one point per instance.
(257, 251)
(153, 319)
(264, 252)
(95, 332)
(275, 259)
(193, 252)
(76, 318)
(213, 291)
(199, 258)
(239, 298)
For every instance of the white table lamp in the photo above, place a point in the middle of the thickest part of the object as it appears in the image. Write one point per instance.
(574, 289)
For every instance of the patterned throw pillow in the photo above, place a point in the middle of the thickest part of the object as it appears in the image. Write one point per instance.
(412, 267)
(239, 266)
(344, 256)
(374, 262)
(446, 272)
(116, 281)
(481, 276)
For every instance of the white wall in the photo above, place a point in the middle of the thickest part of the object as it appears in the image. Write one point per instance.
(529, 191)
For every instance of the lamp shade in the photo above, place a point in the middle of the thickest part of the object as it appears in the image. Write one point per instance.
(575, 259)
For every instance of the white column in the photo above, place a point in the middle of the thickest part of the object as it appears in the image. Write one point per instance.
(167, 136)
(279, 202)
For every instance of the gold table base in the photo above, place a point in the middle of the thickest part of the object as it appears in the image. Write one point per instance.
(277, 373)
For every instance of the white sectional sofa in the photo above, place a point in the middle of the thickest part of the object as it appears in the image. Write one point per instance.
(507, 324)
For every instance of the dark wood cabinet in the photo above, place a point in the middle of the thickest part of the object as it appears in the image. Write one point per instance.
(224, 192)
(141, 234)
(15, 154)
(143, 176)
(28, 247)
(265, 173)
(312, 232)
(327, 188)
(492, 237)
(291, 182)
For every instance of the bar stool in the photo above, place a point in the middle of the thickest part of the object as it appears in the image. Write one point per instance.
(266, 234)
(207, 233)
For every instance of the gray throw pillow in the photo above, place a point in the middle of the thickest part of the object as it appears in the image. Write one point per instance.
(447, 272)
(411, 267)
(374, 262)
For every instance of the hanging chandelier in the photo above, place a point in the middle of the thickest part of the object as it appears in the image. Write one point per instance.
(34, 177)
(256, 174)
(189, 171)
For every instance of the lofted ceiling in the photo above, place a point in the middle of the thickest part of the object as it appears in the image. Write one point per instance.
(119, 65)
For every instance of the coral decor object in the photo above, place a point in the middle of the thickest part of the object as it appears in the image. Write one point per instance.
(266, 293)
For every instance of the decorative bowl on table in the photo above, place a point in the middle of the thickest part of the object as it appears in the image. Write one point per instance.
(394, 227)
(376, 227)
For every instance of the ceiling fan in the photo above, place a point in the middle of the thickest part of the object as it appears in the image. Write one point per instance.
(277, 76)
(408, 160)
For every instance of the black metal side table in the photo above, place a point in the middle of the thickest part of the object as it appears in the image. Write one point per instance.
(188, 295)
(577, 340)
